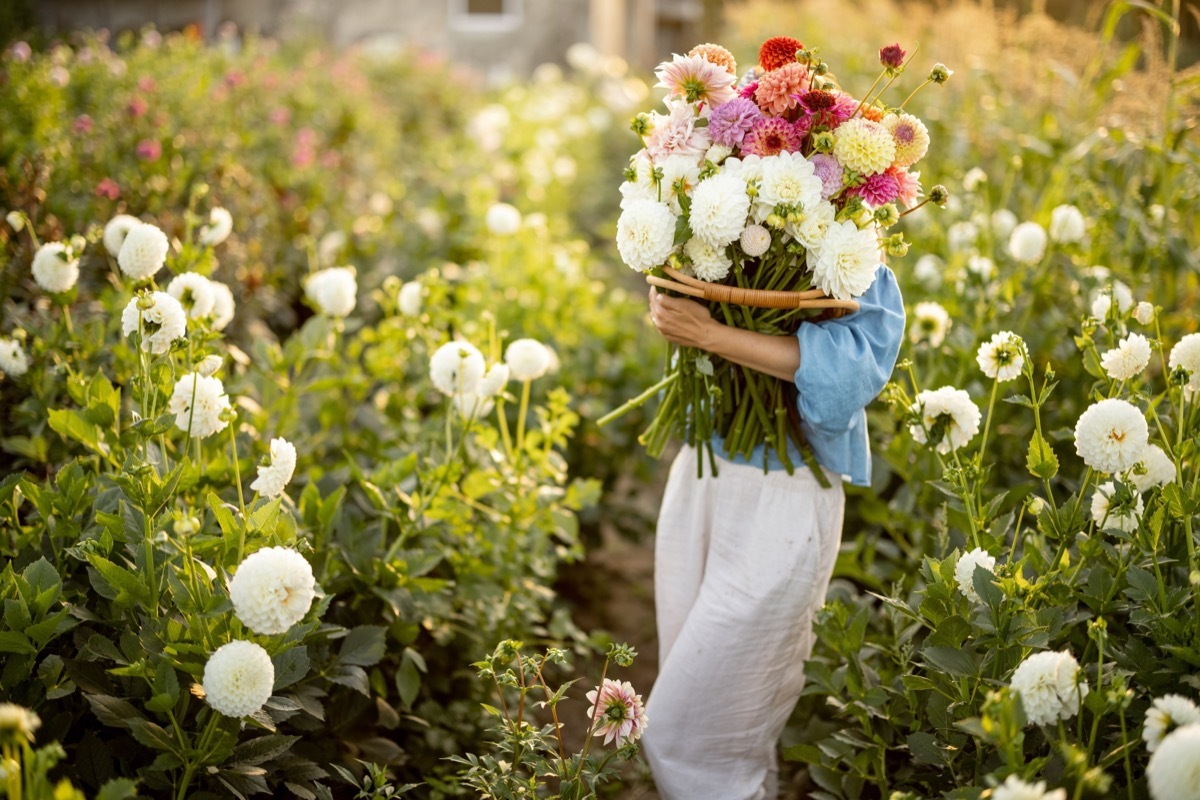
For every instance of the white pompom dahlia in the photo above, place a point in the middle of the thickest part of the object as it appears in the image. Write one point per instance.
(788, 179)
(457, 368)
(13, 361)
(143, 252)
(116, 230)
(194, 292)
(1027, 243)
(408, 299)
(1014, 788)
(1128, 358)
(964, 571)
(198, 403)
(755, 240)
(163, 320)
(1164, 715)
(1106, 516)
(1174, 768)
(220, 225)
(720, 206)
(1111, 435)
(1185, 355)
(238, 678)
(527, 359)
(1160, 470)
(948, 418)
(54, 269)
(503, 219)
(848, 260)
(1049, 686)
(496, 378)
(274, 474)
(645, 234)
(333, 291)
(272, 590)
(708, 263)
(1067, 225)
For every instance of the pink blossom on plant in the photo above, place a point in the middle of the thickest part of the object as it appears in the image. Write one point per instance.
(149, 150)
(21, 51)
(137, 106)
(908, 184)
(891, 56)
(82, 125)
(747, 91)
(827, 168)
(280, 116)
(771, 136)
(730, 122)
(108, 188)
(234, 78)
(695, 79)
(677, 135)
(617, 712)
(843, 109)
(146, 84)
(877, 190)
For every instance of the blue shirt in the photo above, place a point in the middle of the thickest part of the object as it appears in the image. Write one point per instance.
(844, 365)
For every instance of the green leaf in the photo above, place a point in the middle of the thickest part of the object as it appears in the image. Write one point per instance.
(130, 588)
(118, 789)
(408, 682)
(363, 646)
(112, 710)
(263, 748)
(70, 424)
(151, 735)
(290, 666)
(950, 660)
(224, 516)
(1041, 460)
(16, 642)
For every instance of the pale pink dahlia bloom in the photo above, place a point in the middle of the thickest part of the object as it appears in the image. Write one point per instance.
(910, 186)
(677, 135)
(696, 80)
(617, 712)
(777, 90)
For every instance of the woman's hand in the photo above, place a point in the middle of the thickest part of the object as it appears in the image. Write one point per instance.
(681, 321)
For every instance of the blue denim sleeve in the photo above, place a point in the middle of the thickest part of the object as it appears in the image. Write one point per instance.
(846, 362)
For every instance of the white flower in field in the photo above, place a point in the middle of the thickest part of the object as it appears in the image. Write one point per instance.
(272, 588)
(13, 361)
(334, 291)
(194, 292)
(813, 227)
(964, 571)
(1128, 358)
(1101, 306)
(788, 179)
(1067, 225)
(496, 378)
(645, 234)
(930, 323)
(1108, 517)
(220, 225)
(209, 365)
(1027, 243)
(982, 266)
(1160, 470)
(1165, 714)
(1185, 355)
(948, 418)
(17, 724)
(274, 475)
(1144, 313)
(527, 359)
(1111, 435)
(974, 178)
(198, 403)
(755, 240)
(163, 320)
(472, 406)
(456, 368)
(708, 263)
(928, 271)
(555, 365)
(847, 262)
(1014, 788)
(408, 299)
(719, 209)
(16, 220)
(502, 219)
(1002, 357)
(222, 311)
(961, 236)
(116, 230)
(54, 269)
(1102, 302)
(1047, 684)
(238, 678)
(1174, 768)
(143, 252)
(1003, 222)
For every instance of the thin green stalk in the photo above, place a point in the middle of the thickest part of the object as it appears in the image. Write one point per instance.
(237, 478)
(525, 385)
(987, 424)
(587, 743)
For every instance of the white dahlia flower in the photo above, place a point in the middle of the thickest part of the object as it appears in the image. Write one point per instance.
(163, 320)
(1185, 355)
(962, 236)
(1107, 517)
(276, 471)
(928, 271)
(209, 365)
(755, 240)
(1049, 686)
(973, 179)
(849, 257)
(1102, 302)
(238, 678)
(13, 361)
(333, 291)
(1111, 435)
(1003, 222)
(527, 359)
(502, 219)
(679, 174)
(456, 368)
(982, 266)
(1002, 356)
(1128, 358)
(813, 228)
(1160, 470)
(719, 209)
(948, 418)
(223, 306)
(1174, 768)
(408, 299)
(472, 406)
(964, 571)
(272, 589)
(116, 230)
(1144, 313)
(788, 179)
(194, 292)
(1027, 243)
(930, 323)
(709, 263)
(717, 153)
(220, 225)
(1164, 715)
(198, 403)
(1067, 225)
(1014, 788)
(54, 269)
(143, 252)
(645, 234)
(496, 378)
(864, 146)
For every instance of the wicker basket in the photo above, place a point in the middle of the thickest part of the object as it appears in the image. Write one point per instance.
(759, 298)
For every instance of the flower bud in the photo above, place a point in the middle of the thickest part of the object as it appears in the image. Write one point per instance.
(940, 73)
(16, 219)
(887, 215)
(209, 365)
(775, 221)
(1144, 313)
(896, 246)
(1035, 506)
(145, 301)
(823, 142)
(640, 124)
(892, 56)
(939, 195)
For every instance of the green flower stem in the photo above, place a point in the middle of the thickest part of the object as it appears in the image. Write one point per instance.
(987, 424)
(148, 549)
(524, 412)
(1126, 749)
(587, 743)
(502, 418)
(562, 753)
(237, 479)
(967, 498)
(640, 400)
(190, 766)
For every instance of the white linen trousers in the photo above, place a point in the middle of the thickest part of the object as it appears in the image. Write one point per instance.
(742, 564)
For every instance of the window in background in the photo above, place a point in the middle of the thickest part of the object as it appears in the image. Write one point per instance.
(486, 16)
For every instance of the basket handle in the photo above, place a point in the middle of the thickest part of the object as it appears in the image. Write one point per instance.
(761, 298)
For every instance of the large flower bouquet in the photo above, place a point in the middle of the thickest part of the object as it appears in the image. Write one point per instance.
(781, 184)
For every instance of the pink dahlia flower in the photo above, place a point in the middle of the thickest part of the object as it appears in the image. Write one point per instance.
(83, 124)
(137, 107)
(730, 122)
(909, 185)
(777, 89)
(696, 80)
(842, 110)
(149, 150)
(827, 168)
(877, 190)
(617, 712)
(747, 91)
(677, 135)
(108, 188)
(771, 136)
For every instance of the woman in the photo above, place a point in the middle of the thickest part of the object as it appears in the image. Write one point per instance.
(743, 560)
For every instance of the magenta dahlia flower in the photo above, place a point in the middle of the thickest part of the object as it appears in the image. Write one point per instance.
(730, 122)
(771, 136)
(617, 712)
(877, 190)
